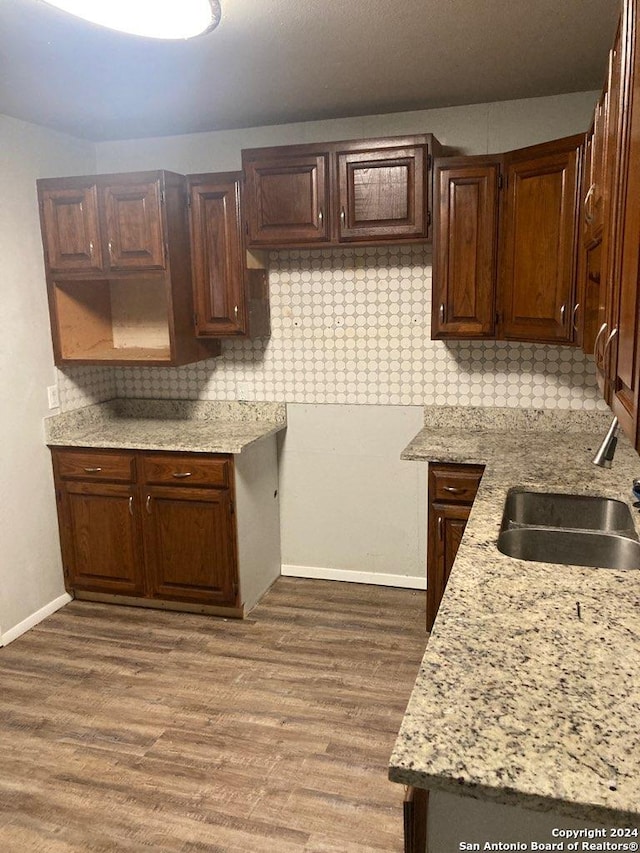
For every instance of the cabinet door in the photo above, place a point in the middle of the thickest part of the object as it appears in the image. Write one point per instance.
(217, 255)
(70, 229)
(622, 362)
(287, 199)
(101, 538)
(465, 251)
(190, 544)
(595, 195)
(446, 526)
(382, 194)
(537, 268)
(133, 225)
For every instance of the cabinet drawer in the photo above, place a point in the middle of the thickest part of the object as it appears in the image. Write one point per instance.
(95, 465)
(455, 483)
(185, 470)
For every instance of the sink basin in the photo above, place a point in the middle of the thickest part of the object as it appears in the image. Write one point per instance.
(571, 547)
(577, 512)
(577, 530)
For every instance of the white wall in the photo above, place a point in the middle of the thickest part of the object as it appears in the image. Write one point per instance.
(30, 569)
(353, 510)
(475, 129)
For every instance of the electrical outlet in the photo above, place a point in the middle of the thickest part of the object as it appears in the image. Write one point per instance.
(243, 390)
(53, 396)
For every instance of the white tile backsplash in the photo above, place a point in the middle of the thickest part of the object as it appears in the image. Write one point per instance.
(352, 326)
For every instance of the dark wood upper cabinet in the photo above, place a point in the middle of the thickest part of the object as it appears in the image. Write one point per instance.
(118, 270)
(71, 228)
(365, 191)
(286, 196)
(538, 242)
(465, 251)
(505, 247)
(230, 297)
(134, 225)
(382, 193)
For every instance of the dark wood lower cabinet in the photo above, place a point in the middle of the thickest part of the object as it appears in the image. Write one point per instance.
(136, 539)
(97, 515)
(452, 489)
(189, 535)
(416, 806)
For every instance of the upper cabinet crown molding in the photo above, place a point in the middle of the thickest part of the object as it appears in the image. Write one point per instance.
(360, 191)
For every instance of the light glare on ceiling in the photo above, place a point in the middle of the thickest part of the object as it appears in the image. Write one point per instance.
(160, 19)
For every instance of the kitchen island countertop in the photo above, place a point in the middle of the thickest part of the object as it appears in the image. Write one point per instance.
(522, 697)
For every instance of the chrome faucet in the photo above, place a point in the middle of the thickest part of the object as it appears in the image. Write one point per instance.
(607, 449)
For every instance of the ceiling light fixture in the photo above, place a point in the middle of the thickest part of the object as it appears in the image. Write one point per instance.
(160, 19)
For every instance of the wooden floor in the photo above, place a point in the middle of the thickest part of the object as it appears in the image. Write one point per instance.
(124, 729)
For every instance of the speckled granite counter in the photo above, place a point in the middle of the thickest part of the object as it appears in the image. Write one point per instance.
(195, 426)
(518, 700)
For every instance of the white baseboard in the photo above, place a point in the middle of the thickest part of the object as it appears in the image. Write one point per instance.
(375, 578)
(13, 633)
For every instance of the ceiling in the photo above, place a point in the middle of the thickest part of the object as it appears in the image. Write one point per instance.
(296, 60)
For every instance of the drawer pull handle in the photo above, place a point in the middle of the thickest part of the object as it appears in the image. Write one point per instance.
(148, 504)
(130, 504)
(574, 316)
(93, 470)
(455, 490)
(181, 475)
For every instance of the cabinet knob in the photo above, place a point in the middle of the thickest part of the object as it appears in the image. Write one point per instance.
(93, 470)
(181, 475)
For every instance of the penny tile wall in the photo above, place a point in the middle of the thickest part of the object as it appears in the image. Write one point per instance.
(352, 325)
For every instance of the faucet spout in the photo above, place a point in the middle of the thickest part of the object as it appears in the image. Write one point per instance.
(607, 449)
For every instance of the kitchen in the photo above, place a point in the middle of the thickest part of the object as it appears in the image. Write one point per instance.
(324, 454)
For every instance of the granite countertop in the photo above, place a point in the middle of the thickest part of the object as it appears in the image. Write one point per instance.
(518, 699)
(193, 426)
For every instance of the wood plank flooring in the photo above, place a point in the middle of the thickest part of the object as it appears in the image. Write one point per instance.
(125, 729)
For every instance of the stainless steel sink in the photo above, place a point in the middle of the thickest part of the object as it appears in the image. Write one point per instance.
(571, 547)
(576, 512)
(577, 530)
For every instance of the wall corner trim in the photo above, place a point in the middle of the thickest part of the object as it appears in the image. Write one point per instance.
(374, 578)
(19, 629)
